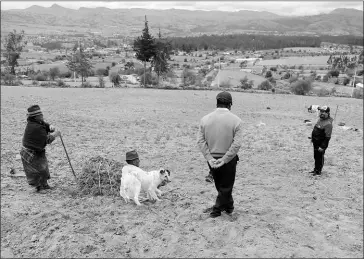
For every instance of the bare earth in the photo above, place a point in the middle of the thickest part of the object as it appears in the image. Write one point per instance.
(281, 210)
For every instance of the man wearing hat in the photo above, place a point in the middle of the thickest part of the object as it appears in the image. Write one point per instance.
(132, 158)
(36, 136)
(219, 139)
(320, 138)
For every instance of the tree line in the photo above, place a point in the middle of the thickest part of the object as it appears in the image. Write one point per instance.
(256, 42)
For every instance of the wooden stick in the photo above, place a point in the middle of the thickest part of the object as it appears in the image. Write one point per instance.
(98, 172)
(68, 157)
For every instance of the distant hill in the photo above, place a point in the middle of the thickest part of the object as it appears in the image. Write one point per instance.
(175, 22)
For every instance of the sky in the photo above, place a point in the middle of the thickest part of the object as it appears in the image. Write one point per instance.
(278, 7)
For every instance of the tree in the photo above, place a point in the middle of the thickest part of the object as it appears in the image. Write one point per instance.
(80, 63)
(144, 46)
(54, 72)
(161, 56)
(13, 44)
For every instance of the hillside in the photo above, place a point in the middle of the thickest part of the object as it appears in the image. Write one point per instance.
(175, 22)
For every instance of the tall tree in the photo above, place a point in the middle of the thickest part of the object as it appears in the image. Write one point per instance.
(80, 63)
(13, 44)
(161, 56)
(144, 46)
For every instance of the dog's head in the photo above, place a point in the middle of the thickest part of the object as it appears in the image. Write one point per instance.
(165, 176)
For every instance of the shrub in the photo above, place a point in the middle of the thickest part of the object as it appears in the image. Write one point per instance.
(115, 79)
(188, 77)
(54, 72)
(273, 69)
(60, 83)
(246, 84)
(325, 78)
(301, 87)
(300, 67)
(101, 82)
(358, 93)
(346, 81)
(185, 60)
(41, 77)
(8, 79)
(360, 72)
(268, 74)
(272, 80)
(225, 84)
(293, 79)
(113, 64)
(318, 78)
(333, 91)
(149, 79)
(334, 73)
(323, 92)
(87, 85)
(35, 83)
(287, 75)
(67, 74)
(265, 85)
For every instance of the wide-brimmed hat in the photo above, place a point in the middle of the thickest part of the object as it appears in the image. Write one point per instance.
(131, 155)
(34, 110)
(224, 97)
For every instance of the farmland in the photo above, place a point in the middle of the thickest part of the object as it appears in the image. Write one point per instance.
(282, 211)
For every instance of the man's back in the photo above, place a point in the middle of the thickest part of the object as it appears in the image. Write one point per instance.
(219, 128)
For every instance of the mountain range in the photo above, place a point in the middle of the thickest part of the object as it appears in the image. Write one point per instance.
(176, 22)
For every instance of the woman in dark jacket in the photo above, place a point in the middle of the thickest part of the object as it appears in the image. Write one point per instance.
(37, 135)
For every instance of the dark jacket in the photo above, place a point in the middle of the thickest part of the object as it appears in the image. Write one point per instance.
(321, 133)
(36, 135)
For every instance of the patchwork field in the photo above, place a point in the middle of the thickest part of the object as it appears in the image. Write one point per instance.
(281, 210)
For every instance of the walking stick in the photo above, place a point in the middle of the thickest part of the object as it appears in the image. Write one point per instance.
(337, 106)
(68, 157)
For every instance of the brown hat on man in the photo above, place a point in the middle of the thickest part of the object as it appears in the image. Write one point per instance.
(34, 110)
(225, 97)
(131, 155)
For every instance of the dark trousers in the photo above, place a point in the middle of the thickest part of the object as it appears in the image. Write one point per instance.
(224, 178)
(319, 157)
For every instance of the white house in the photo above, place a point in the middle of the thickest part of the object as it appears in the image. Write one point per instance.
(129, 78)
(359, 85)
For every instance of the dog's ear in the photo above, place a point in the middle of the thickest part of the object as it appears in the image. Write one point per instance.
(169, 173)
(161, 171)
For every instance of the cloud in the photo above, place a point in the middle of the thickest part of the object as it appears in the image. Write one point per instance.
(283, 8)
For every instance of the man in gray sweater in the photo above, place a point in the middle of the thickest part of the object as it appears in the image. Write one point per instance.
(219, 139)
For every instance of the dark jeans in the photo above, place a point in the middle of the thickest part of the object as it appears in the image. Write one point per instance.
(224, 178)
(319, 157)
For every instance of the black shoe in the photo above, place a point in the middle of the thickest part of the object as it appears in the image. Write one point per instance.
(40, 190)
(215, 214)
(317, 173)
(229, 211)
(208, 210)
(209, 178)
(47, 187)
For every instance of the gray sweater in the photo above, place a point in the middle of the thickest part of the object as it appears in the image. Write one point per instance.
(220, 135)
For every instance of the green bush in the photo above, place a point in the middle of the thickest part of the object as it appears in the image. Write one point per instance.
(325, 78)
(287, 75)
(8, 79)
(346, 81)
(318, 78)
(265, 85)
(301, 87)
(115, 79)
(67, 74)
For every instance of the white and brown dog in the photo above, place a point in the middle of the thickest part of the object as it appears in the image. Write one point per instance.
(134, 180)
